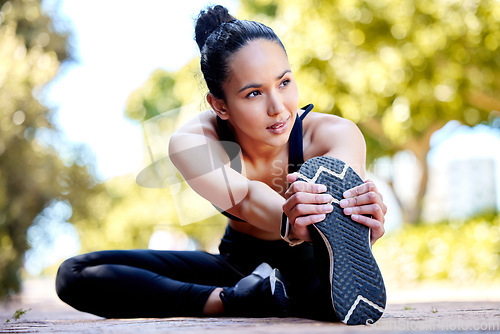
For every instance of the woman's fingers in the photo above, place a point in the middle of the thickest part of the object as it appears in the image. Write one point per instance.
(306, 213)
(361, 189)
(300, 227)
(372, 210)
(301, 186)
(306, 204)
(364, 194)
(377, 228)
(291, 178)
(366, 198)
(310, 209)
(366, 206)
(309, 198)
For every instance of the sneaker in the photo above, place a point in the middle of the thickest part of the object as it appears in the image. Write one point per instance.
(343, 250)
(260, 294)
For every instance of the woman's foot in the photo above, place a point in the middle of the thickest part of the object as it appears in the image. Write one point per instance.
(260, 294)
(343, 250)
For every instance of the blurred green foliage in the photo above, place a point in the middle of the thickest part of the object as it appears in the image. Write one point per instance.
(460, 253)
(150, 99)
(165, 91)
(36, 166)
(125, 215)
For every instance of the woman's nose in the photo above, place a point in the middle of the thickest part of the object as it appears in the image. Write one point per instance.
(276, 105)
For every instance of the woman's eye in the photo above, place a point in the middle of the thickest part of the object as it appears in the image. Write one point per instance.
(285, 82)
(253, 94)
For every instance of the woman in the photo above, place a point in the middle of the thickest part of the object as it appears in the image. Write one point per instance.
(254, 102)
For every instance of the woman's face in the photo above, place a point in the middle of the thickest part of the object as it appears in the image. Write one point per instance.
(261, 94)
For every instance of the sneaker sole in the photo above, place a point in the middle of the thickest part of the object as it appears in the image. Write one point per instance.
(280, 298)
(357, 288)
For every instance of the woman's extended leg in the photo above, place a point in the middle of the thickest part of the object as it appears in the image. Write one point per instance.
(142, 283)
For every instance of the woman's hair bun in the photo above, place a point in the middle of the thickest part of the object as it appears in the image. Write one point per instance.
(209, 20)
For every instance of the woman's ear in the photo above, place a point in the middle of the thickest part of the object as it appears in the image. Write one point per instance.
(218, 105)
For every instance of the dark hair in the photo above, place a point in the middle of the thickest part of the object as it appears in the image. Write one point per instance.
(219, 35)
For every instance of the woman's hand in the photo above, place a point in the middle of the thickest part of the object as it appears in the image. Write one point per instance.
(305, 205)
(365, 205)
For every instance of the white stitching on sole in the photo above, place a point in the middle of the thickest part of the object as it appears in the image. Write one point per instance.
(323, 169)
(355, 304)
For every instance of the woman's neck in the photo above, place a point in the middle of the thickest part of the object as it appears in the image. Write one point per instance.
(264, 154)
(257, 153)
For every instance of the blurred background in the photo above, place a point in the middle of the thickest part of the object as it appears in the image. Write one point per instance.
(90, 90)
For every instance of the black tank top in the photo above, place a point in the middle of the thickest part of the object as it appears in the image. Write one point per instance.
(295, 148)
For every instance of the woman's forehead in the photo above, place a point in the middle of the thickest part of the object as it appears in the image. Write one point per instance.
(258, 59)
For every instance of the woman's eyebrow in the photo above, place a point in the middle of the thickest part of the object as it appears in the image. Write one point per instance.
(282, 75)
(254, 85)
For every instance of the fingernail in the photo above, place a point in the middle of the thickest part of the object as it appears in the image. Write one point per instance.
(347, 211)
(343, 203)
(329, 208)
(322, 188)
(354, 217)
(347, 194)
(327, 198)
(322, 217)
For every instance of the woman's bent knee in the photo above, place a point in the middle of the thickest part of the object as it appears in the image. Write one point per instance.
(67, 277)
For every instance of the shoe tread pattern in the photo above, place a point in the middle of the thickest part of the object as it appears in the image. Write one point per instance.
(280, 300)
(355, 271)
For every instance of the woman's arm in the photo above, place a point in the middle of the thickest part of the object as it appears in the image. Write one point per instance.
(197, 153)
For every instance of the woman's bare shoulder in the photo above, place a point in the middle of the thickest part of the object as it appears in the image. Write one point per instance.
(334, 136)
(204, 124)
(198, 130)
(318, 125)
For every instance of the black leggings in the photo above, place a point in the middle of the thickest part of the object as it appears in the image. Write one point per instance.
(151, 283)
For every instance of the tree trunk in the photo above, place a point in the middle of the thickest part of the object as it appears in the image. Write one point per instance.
(420, 147)
(415, 213)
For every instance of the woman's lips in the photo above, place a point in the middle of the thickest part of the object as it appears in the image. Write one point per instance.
(279, 127)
